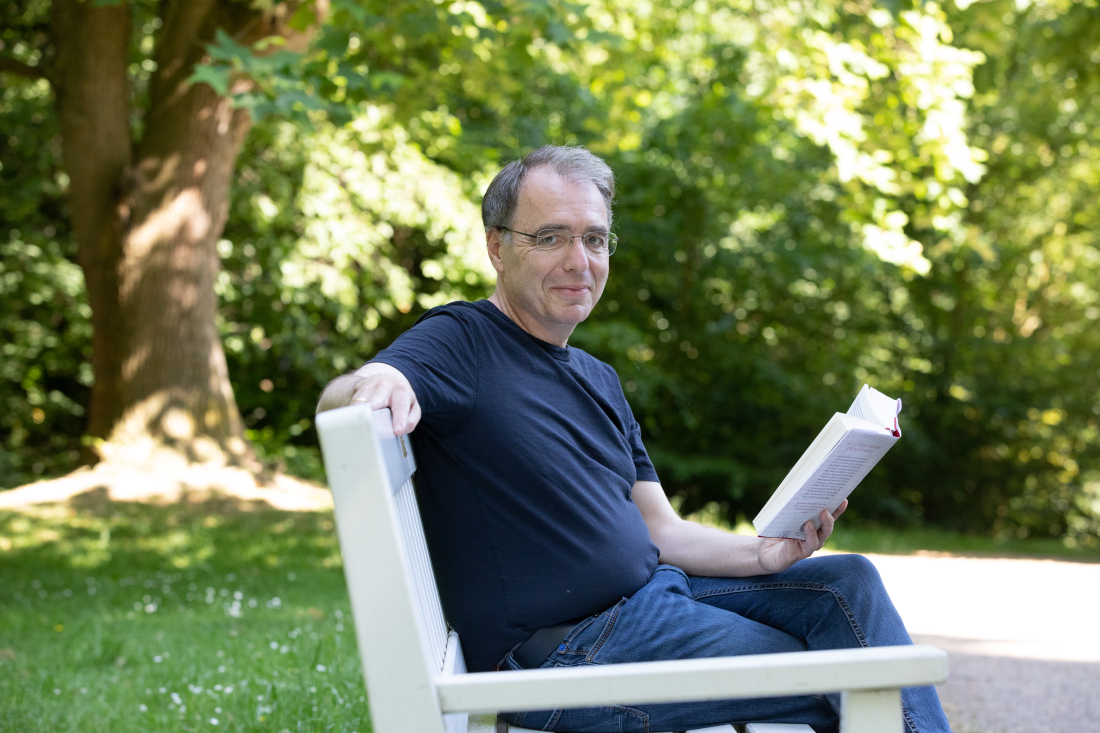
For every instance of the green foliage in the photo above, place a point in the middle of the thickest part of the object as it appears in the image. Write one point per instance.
(102, 606)
(44, 330)
(812, 196)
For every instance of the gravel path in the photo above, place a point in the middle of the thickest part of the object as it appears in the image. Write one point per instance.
(1023, 637)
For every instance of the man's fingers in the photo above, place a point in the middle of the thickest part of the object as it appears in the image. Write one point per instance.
(810, 544)
(840, 509)
(414, 415)
(402, 404)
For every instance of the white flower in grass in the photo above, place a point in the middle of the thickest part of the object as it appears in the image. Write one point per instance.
(143, 708)
(213, 721)
(320, 668)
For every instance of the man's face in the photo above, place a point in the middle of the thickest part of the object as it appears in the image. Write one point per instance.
(549, 294)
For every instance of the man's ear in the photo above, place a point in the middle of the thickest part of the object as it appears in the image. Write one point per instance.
(492, 246)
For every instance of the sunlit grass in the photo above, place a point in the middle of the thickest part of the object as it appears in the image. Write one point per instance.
(125, 617)
(128, 617)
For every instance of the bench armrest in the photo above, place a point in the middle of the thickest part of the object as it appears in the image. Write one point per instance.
(759, 675)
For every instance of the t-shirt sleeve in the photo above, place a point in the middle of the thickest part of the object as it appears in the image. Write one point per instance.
(439, 357)
(642, 464)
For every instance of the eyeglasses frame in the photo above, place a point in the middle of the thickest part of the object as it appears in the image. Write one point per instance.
(612, 240)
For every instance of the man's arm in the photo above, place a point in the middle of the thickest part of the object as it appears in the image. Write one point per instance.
(706, 551)
(378, 385)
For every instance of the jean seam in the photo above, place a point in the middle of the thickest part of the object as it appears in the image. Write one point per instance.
(641, 715)
(573, 634)
(908, 719)
(837, 596)
(554, 716)
(607, 629)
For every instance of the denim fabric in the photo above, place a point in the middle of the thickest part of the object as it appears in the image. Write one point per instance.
(831, 602)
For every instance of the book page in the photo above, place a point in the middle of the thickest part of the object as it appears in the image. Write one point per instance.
(825, 441)
(874, 406)
(846, 465)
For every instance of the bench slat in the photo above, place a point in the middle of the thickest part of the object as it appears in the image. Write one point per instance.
(761, 675)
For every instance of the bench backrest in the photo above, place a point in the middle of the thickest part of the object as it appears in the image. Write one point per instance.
(402, 635)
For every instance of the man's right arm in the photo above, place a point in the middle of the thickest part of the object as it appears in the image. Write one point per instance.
(378, 385)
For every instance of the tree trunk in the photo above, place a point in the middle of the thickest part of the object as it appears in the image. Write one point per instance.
(92, 93)
(147, 219)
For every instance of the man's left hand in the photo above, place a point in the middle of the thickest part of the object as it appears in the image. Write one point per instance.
(779, 554)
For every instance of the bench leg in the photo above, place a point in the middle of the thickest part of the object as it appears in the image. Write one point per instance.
(871, 711)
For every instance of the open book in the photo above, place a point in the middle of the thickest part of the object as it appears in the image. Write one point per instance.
(845, 450)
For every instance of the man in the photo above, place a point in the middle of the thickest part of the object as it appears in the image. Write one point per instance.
(551, 537)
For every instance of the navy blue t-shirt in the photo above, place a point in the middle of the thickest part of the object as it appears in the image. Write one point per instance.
(527, 453)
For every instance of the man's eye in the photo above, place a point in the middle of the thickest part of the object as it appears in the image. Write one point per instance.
(594, 240)
(550, 239)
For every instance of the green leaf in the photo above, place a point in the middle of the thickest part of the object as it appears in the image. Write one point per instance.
(303, 18)
(389, 80)
(217, 77)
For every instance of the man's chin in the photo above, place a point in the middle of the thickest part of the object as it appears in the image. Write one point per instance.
(575, 313)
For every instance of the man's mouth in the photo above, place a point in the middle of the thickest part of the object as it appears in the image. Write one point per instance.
(573, 290)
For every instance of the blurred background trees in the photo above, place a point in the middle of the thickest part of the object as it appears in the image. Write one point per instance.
(812, 196)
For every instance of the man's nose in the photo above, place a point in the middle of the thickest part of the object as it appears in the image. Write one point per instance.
(576, 256)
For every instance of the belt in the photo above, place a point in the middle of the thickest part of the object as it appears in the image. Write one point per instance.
(533, 652)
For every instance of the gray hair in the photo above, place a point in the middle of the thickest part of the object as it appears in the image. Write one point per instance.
(498, 208)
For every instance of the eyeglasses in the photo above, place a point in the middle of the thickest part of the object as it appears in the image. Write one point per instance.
(555, 241)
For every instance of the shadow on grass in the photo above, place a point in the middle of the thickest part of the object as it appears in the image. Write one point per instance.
(215, 615)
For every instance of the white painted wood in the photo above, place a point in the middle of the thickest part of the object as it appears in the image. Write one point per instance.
(455, 663)
(415, 672)
(763, 675)
(727, 728)
(776, 728)
(871, 711)
(390, 628)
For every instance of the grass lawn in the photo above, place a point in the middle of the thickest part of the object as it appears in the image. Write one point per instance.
(129, 617)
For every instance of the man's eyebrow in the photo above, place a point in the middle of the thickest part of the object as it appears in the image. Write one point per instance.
(566, 227)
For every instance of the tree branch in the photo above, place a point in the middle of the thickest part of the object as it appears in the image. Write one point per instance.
(8, 65)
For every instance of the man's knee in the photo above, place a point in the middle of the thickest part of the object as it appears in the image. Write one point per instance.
(854, 571)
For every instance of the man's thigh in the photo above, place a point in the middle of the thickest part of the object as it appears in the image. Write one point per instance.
(663, 621)
(830, 602)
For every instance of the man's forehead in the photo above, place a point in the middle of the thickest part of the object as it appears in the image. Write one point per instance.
(556, 200)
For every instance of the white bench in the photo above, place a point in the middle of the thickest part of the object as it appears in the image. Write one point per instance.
(415, 674)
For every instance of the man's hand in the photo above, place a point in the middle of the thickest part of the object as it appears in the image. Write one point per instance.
(779, 554)
(378, 385)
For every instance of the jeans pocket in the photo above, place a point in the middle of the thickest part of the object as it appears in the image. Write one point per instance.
(533, 719)
(608, 718)
(587, 635)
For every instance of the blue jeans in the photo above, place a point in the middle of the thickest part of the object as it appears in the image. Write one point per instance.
(831, 602)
